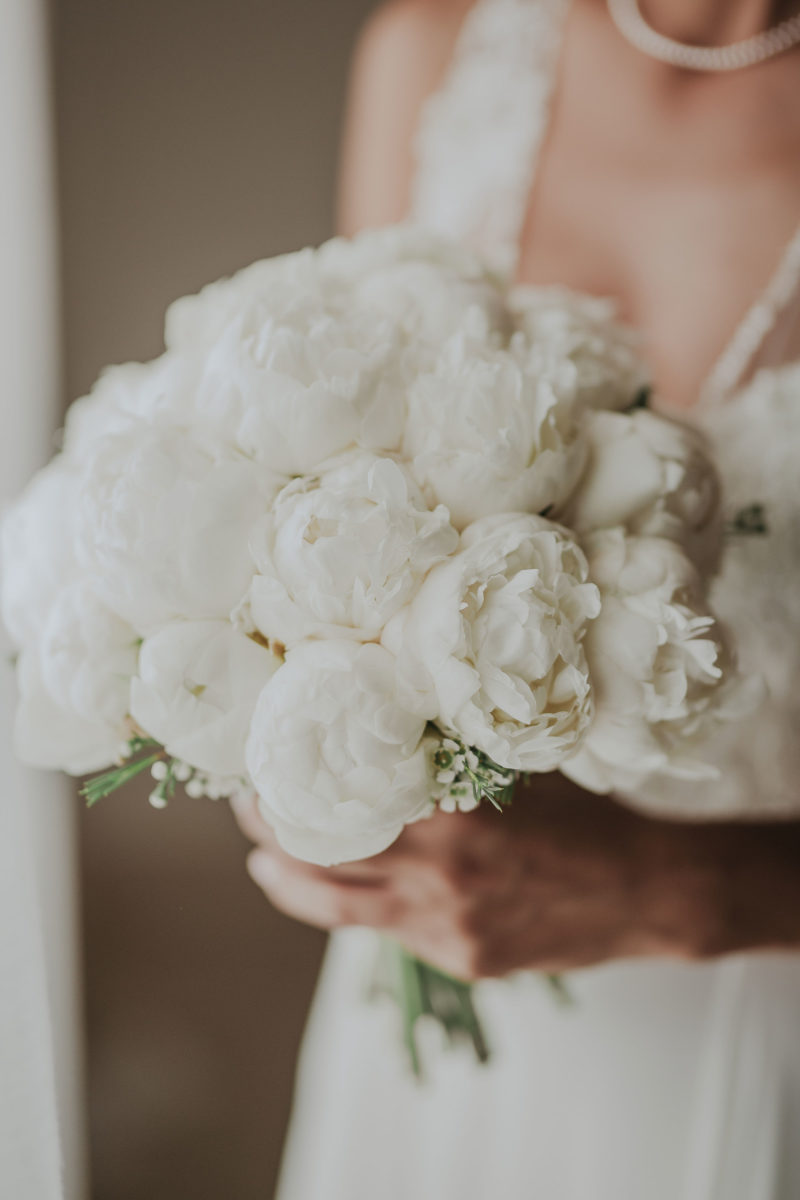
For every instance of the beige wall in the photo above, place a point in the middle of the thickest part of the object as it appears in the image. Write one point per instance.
(194, 136)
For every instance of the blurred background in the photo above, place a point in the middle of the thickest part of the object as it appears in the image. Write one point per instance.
(191, 137)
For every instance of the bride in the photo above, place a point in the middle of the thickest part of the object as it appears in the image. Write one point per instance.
(632, 153)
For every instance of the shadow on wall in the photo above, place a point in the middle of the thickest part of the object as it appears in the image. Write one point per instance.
(194, 136)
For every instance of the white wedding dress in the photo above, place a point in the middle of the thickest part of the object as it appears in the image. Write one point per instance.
(665, 1081)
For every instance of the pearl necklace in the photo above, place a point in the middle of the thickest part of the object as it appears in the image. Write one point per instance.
(631, 24)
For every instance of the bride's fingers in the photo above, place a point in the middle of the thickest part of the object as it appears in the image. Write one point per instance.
(317, 897)
(367, 873)
(249, 819)
(254, 827)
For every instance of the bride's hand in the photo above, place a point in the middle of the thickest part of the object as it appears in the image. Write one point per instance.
(561, 879)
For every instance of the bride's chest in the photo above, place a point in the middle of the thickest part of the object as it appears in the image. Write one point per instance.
(683, 269)
(683, 225)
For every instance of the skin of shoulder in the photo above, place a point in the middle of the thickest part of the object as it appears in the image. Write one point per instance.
(400, 59)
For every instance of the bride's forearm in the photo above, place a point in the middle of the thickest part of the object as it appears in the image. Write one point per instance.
(718, 888)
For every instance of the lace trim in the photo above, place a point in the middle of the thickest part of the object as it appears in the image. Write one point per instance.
(758, 323)
(479, 136)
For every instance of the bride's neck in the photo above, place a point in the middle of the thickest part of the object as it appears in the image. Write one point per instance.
(713, 22)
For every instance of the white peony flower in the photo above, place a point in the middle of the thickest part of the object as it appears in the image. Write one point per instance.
(429, 285)
(490, 647)
(38, 557)
(272, 286)
(341, 552)
(196, 690)
(651, 475)
(294, 390)
(302, 357)
(486, 436)
(88, 656)
(337, 761)
(48, 735)
(164, 524)
(433, 304)
(345, 261)
(419, 280)
(125, 399)
(577, 344)
(658, 662)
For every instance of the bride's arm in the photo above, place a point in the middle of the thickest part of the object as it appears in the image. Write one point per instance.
(562, 879)
(399, 61)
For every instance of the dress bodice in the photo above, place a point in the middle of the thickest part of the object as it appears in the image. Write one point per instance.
(477, 151)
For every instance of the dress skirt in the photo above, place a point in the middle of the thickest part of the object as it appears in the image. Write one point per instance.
(662, 1080)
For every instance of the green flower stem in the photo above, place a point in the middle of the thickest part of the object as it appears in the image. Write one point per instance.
(421, 990)
(103, 785)
(559, 990)
(449, 1000)
(412, 1006)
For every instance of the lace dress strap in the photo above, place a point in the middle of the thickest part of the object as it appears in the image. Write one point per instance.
(479, 136)
(778, 304)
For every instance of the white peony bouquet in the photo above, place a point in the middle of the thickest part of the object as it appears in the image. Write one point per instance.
(373, 536)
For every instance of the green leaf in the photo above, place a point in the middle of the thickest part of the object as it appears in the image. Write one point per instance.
(640, 400)
(748, 522)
